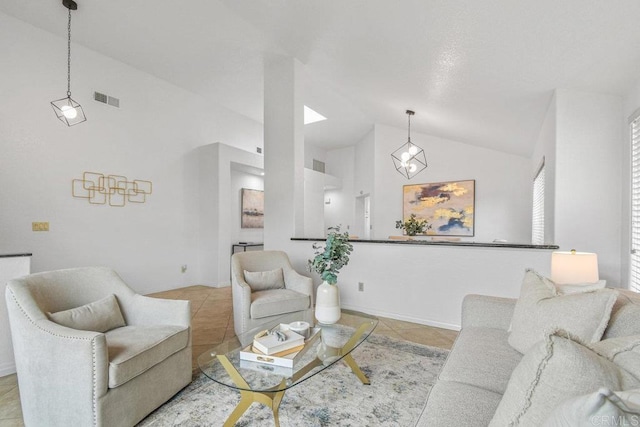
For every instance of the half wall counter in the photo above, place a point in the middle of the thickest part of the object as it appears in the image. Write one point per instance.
(423, 281)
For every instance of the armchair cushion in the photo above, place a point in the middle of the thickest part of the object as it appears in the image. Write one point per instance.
(264, 280)
(135, 349)
(274, 302)
(99, 316)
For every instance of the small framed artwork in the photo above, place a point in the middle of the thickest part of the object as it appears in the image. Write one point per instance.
(448, 206)
(252, 208)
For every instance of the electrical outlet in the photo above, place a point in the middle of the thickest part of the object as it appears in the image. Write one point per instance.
(184, 268)
(40, 226)
(361, 286)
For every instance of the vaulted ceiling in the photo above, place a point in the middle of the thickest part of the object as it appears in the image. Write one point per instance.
(480, 72)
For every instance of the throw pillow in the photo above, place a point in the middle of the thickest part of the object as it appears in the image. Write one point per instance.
(540, 310)
(99, 316)
(625, 318)
(264, 280)
(601, 408)
(553, 370)
(576, 288)
(623, 351)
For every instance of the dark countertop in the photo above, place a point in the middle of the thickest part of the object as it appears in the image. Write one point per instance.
(14, 255)
(438, 243)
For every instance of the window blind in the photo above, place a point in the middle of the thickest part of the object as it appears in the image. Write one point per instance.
(537, 225)
(634, 279)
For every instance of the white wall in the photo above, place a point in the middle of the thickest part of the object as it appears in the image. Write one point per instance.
(314, 225)
(545, 148)
(364, 179)
(341, 209)
(313, 152)
(503, 190)
(240, 180)
(426, 284)
(215, 211)
(588, 175)
(147, 138)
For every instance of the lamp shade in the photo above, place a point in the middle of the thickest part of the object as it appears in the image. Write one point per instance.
(574, 267)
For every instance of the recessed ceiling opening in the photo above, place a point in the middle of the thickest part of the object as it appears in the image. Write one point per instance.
(311, 116)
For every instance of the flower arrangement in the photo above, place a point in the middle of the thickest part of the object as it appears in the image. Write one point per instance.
(331, 257)
(413, 225)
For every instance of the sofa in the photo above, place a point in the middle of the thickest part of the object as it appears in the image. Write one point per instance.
(91, 352)
(479, 368)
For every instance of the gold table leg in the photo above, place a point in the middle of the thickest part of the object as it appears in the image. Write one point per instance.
(350, 361)
(272, 399)
(247, 397)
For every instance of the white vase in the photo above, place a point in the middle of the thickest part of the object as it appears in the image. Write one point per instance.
(328, 304)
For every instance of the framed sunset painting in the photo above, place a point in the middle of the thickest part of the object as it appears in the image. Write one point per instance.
(448, 206)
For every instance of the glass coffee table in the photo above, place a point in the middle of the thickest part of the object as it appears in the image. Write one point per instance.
(266, 382)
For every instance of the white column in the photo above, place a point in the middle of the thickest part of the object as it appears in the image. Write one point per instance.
(283, 152)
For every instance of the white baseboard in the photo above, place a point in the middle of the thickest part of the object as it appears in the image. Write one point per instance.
(7, 369)
(396, 316)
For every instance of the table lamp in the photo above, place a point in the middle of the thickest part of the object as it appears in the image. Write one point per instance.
(574, 267)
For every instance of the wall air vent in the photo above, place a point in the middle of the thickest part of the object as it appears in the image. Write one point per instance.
(106, 99)
(100, 97)
(318, 166)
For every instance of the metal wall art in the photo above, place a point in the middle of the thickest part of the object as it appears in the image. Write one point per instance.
(115, 190)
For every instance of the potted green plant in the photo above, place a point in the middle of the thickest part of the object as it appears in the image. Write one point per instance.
(413, 225)
(329, 259)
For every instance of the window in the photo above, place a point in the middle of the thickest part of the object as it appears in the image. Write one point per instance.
(537, 224)
(634, 261)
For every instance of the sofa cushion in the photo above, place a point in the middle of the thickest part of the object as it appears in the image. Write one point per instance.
(135, 349)
(552, 371)
(625, 318)
(99, 316)
(481, 357)
(452, 404)
(623, 351)
(604, 407)
(277, 301)
(264, 280)
(540, 310)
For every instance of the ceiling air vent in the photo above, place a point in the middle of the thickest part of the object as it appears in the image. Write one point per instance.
(106, 99)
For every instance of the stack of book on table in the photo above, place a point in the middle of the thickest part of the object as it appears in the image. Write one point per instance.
(267, 349)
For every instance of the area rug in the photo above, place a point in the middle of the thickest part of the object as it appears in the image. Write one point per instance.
(401, 375)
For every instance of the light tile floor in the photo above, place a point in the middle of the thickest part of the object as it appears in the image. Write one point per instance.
(212, 322)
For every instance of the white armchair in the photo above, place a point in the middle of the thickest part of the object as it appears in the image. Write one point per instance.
(72, 377)
(254, 303)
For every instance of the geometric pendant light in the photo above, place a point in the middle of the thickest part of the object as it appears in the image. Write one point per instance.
(68, 110)
(409, 159)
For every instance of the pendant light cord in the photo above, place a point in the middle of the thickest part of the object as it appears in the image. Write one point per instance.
(69, 56)
(409, 127)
